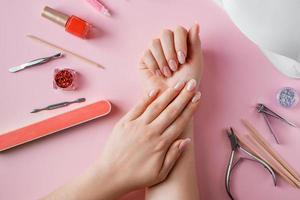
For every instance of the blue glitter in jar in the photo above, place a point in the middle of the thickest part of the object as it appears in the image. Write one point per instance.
(287, 97)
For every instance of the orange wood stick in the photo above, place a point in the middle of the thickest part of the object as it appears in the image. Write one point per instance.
(268, 147)
(274, 163)
(246, 143)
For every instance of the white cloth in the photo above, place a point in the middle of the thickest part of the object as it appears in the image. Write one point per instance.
(274, 25)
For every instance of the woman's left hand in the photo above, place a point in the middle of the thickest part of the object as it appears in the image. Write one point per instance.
(175, 55)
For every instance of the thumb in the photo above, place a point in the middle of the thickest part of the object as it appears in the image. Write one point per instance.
(173, 154)
(145, 71)
(194, 43)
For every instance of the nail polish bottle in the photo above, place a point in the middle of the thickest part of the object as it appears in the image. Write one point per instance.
(72, 24)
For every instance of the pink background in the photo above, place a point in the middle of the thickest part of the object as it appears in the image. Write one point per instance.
(236, 77)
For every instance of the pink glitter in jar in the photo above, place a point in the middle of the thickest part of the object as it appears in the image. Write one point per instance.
(65, 79)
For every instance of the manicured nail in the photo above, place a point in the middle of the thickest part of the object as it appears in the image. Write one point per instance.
(167, 71)
(181, 57)
(197, 29)
(179, 85)
(153, 92)
(191, 85)
(184, 144)
(173, 65)
(197, 97)
(158, 72)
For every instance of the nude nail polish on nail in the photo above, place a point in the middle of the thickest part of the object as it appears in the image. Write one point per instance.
(179, 85)
(197, 97)
(181, 57)
(167, 71)
(191, 85)
(173, 65)
(184, 144)
(152, 93)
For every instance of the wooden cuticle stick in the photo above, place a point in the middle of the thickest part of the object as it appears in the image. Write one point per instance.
(248, 144)
(42, 41)
(286, 175)
(266, 146)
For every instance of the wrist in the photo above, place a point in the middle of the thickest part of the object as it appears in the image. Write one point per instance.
(189, 130)
(107, 182)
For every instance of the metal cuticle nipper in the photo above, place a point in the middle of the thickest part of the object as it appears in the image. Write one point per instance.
(231, 165)
(267, 112)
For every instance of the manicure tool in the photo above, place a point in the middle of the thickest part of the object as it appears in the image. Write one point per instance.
(257, 144)
(35, 62)
(58, 105)
(54, 124)
(42, 41)
(99, 7)
(235, 145)
(267, 112)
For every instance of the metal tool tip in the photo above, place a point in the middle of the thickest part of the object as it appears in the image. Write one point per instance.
(260, 107)
(12, 70)
(81, 99)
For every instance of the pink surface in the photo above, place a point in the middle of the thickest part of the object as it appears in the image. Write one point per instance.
(236, 77)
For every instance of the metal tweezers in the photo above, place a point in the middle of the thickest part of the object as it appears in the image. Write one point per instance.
(234, 147)
(267, 112)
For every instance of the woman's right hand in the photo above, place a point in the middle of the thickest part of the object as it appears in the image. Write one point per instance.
(142, 149)
(144, 144)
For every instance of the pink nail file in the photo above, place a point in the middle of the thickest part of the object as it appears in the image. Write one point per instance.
(54, 124)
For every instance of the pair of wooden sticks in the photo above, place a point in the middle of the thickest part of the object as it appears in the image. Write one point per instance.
(261, 148)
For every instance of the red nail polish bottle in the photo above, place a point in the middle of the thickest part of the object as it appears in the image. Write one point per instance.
(72, 24)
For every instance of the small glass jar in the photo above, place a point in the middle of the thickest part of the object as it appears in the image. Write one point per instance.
(65, 79)
(287, 97)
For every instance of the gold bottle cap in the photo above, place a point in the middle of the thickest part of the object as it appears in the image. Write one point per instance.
(55, 16)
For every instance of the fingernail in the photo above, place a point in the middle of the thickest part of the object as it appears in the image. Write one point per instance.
(179, 85)
(184, 144)
(197, 97)
(167, 71)
(191, 85)
(197, 26)
(173, 65)
(181, 57)
(153, 93)
(198, 29)
(158, 72)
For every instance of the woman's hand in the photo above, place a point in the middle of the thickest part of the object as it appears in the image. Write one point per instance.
(142, 149)
(175, 56)
(144, 145)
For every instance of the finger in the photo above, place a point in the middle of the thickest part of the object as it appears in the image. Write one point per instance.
(180, 40)
(150, 62)
(174, 110)
(176, 128)
(172, 156)
(157, 52)
(145, 72)
(194, 41)
(167, 42)
(162, 102)
(138, 110)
